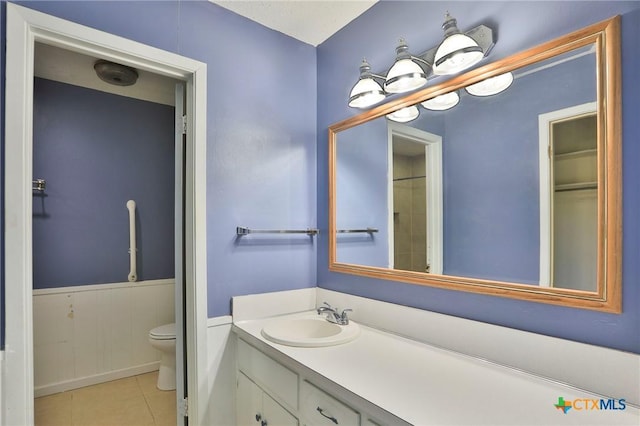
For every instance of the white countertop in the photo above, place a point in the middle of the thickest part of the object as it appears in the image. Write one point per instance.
(425, 385)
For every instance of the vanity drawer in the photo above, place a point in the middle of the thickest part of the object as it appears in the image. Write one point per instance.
(269, 374)
(319, 408)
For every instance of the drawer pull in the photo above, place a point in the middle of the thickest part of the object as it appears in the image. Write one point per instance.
(333, 419)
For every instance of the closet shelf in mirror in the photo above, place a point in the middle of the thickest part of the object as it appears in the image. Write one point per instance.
(576, 186)
(408, 178)
(583, 153)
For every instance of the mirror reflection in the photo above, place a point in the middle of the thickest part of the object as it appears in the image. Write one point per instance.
(501, 187)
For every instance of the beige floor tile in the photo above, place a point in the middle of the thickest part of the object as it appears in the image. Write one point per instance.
(163, 407)
(53, 410)
(115, 411)
(53, 417)
(58, 400)
(133, 401)
(148, 382)
(118, 389)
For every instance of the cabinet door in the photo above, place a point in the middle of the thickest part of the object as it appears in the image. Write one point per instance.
(319, 408)
(248, 402)
(275, 415)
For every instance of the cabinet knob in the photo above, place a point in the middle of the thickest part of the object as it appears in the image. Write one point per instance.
(264, 423)
(258, 417)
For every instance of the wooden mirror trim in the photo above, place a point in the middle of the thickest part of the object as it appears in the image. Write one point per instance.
(605, 36)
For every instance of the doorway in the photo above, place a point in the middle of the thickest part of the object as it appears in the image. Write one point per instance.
(569, 198)
(25, 28)
(415, 199)
(99, 148)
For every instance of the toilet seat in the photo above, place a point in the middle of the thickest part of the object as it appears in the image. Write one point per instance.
(163, 332)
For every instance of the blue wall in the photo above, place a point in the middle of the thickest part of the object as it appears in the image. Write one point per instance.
(519, 25)
(261, 140)
(361, 194)
(97, 151)
(491, 179)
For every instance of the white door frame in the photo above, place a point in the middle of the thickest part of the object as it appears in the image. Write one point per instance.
(546, 181)
(433, 156)
(25, 27)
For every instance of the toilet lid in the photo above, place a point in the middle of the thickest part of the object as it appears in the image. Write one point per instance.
(164, 332)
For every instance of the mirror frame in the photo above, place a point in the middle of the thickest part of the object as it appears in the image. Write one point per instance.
(605, 36)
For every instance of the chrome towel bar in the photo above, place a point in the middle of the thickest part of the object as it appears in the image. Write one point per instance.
(241, 230)
(354, 231)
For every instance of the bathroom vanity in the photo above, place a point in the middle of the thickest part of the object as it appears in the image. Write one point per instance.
(280, 388)
(386, 379)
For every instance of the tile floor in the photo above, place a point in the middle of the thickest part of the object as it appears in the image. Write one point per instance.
(132, 401)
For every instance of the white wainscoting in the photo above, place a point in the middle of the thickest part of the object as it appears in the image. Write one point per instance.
(84, 335)
(220, 409)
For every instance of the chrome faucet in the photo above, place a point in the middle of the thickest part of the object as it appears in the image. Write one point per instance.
(332, 314)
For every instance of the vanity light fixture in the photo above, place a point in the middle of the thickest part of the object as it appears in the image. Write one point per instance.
(458, 51)
(366, 92)
(442, 102)
(404, 115)
(405, 75)
(491, 86)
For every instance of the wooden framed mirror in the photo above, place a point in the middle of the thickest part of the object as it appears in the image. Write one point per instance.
(517, 194)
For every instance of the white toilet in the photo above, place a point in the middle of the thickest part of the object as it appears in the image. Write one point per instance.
(163, 338)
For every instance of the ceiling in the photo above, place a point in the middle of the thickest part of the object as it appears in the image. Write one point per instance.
(66, 66)
(310, 21)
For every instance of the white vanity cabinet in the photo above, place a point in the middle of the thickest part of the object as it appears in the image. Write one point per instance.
(269, 393)
(255, 407)
(320, 408)
(265, 389)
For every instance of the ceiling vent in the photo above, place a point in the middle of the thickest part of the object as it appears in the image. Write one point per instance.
(117, 74)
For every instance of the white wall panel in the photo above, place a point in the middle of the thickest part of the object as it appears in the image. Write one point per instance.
(221, 368)
(53, 338)
(143, 318)
(120, 326)
(86, 346)
(165, 296)
(89, 334)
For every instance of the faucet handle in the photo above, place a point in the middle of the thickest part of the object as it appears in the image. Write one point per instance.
(344, 316)
(328, 305)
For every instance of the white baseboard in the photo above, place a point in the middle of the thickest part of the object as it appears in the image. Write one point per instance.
(81, 382)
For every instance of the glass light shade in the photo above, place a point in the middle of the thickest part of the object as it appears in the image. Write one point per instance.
(365, 93)
(405, 75)
(405, 114)
(442, 102)
(456, 53)
(491, 86)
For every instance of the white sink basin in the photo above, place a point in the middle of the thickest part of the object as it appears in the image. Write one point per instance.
(309, 332)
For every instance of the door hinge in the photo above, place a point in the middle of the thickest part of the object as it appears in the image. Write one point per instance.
(184, 124)
(183, 407)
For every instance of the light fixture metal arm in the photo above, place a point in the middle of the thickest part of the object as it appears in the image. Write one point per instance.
(481, 34)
